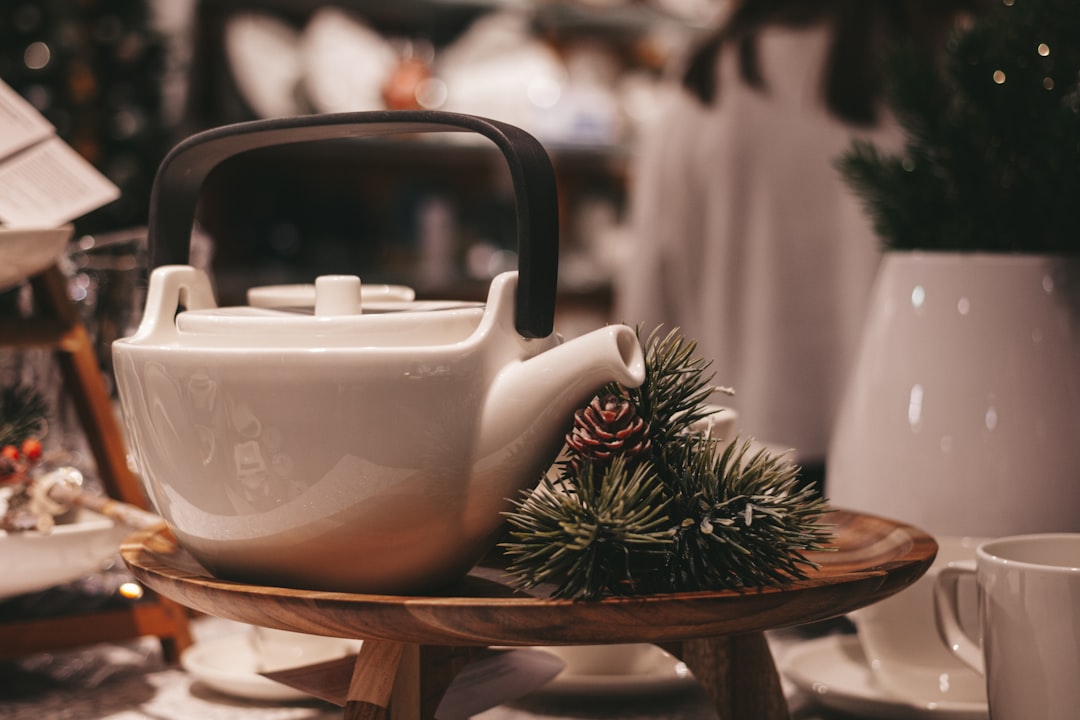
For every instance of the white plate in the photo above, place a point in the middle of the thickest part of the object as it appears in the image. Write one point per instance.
(229, 665)
(28, 251)
(660, 673)
(33, 561)
(833, 670)
(264, 56)
(344, 62)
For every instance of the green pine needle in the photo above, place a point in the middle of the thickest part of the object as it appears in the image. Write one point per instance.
(990, 162)
(693, 513)
(743, 519)
(677, 386)
(22, 414)
(587, 538)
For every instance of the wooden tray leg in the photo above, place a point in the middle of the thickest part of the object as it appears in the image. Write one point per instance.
(378, 665)
(738, 674)
(398, 681)
(439, 665)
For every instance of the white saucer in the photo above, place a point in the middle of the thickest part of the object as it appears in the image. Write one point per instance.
(834, 672)
(661, 673)
(229, 665)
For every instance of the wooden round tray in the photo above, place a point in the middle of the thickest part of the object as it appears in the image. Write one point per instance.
(872, 558)
(414, 645)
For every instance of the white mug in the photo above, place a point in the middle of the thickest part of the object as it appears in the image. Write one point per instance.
(619, 659)
(900, 641)
(282, 649)
(1029, 620)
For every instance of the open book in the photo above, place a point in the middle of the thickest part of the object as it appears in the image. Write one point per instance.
(43, 181)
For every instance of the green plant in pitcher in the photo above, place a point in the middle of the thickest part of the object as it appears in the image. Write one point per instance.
(991, 160)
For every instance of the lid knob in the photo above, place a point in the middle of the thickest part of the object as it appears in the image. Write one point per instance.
(337, 295)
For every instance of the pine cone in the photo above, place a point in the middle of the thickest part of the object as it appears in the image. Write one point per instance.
(609, 426)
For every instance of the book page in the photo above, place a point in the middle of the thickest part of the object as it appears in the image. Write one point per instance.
(50, 184)
(21, 125)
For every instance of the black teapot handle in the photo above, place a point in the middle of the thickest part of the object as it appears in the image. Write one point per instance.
(181, 175)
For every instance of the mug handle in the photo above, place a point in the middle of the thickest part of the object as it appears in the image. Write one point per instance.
(947, 616)
(181, 175)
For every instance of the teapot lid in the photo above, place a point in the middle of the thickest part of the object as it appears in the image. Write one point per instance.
(336, 310)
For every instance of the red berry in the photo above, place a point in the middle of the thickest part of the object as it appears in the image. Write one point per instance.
(10, 452)
(31, 448)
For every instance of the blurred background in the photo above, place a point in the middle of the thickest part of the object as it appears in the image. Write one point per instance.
(124, 80)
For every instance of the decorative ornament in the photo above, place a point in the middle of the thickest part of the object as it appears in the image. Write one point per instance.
(607, 428)
(640, 502)
(22, 421)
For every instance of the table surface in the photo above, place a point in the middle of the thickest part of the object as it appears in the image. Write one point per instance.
(131, 681)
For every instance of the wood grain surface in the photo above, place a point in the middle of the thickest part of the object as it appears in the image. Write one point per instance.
(871, 558)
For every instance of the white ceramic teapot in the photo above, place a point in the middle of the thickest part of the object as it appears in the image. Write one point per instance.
(343, 450)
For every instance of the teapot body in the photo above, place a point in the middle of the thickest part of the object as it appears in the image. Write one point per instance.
(326, 468)
(361, 454)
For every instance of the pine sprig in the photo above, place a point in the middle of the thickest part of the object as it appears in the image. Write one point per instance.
(588, 537)
(22, 414)
(742, 519)
(677, 386)
(683, 512)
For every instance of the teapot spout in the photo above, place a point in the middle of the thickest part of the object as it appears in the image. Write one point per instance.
(531, 403)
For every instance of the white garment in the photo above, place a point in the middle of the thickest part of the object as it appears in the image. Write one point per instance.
(746, 237)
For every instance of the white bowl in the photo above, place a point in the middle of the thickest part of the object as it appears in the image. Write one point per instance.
(28, 251)
(231, 663)
(34, 561)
